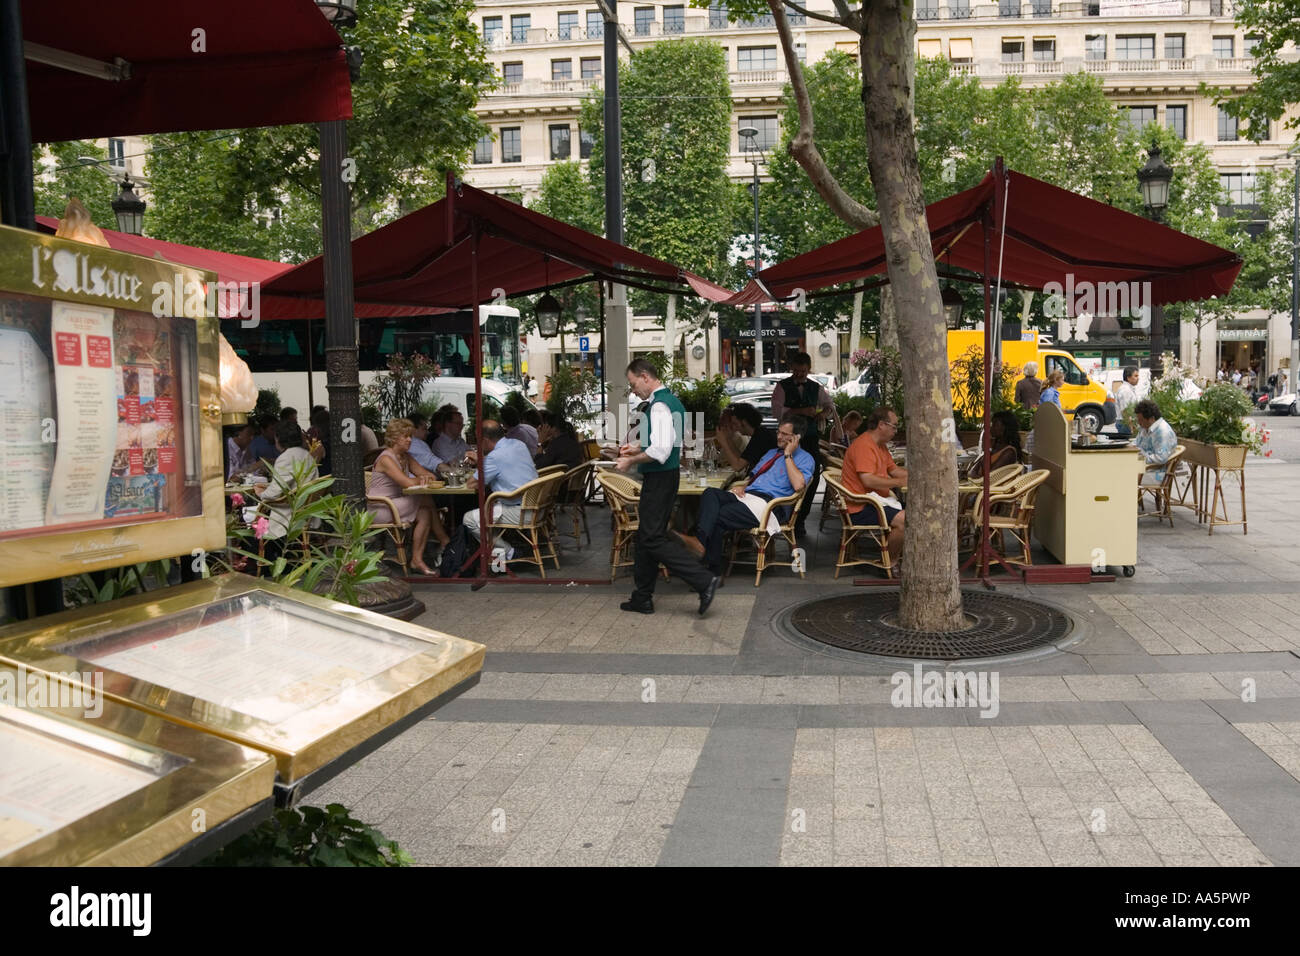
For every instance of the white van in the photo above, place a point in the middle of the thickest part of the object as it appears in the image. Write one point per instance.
(451, 390)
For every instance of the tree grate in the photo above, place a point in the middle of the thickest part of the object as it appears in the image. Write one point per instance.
(1000, 625)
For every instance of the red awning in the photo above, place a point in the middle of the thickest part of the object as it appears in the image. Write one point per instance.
(261, 63)
(423, 259)
(1050, 233)
(233, 269)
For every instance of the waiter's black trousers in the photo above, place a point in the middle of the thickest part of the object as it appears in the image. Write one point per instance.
(654, 546)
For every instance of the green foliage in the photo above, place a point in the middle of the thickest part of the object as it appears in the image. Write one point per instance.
(884, 368)
(705, 396)
(968, 388)
(667, 368)
(310, 836)
(1218, 416)
(59, 177)
(396, 393)
(413, 120)
(1277, 73)
(268, 403)
(334, 565)
(102, 587)
(564, 195)
(860, 404)
(569, 388)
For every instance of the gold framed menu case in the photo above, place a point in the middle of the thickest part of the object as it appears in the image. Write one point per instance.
(89, 781)
(110, 429)
(303, 678)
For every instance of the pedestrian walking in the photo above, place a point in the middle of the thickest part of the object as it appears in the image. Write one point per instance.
(659, 465)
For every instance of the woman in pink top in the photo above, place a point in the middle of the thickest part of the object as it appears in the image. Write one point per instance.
(394, 471)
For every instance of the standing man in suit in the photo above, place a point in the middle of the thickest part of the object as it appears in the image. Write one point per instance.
(804, 396)
(658, 464)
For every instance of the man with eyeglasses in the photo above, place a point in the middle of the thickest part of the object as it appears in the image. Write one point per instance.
(869, 469)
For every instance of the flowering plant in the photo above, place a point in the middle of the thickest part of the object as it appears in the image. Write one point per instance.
(1256, 437)
(397, 392)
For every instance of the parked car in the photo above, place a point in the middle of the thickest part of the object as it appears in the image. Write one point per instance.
(1284, 404)
(737, 386)
(860, 387)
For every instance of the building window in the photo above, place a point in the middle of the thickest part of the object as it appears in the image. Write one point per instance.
(561, 69)
(585, 142)
(1138, 117)
(675, 19)
(1176, 120)
(1249, 43)
(1042, 8)
(1175, 46)
(767, 132)
(1095, 46)
(1013, 51)
(512, 72)
(511, 146)
(1224, 47)
(117, 153)
(795, 18)
(595, 25)
(1240, 188)
(483, 149)
(749, 58)
(961, 50)
(520, 23)
(801, 52)
(958, 9)
(930, 48)
(561, 147)
(927, 9)
(492, 27)
(1008, 8)
(590, 67)
(1227, 127)
(717, 16)
(1135, 47)
(642, 17)
(566, 25)
(1045, 49)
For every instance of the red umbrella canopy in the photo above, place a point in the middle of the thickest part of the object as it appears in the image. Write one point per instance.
(193, 65)
(423, 259)
(1044, 235)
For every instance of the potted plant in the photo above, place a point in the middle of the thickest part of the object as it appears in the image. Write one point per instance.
(967, 373)
(705, 397)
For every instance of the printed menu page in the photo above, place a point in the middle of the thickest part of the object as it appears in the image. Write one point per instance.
(26, 415)
(84, 381)
(261, 661)
(47, 783)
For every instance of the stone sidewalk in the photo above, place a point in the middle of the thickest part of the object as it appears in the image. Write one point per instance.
(1168, 734)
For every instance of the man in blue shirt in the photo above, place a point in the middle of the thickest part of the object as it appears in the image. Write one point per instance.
(420, 449)
(263, 446)
(506, 466)
(783, 471)
(1155, 440)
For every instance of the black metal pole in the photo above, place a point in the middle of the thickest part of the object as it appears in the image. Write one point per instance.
(1157, 325)
(17, 198)
(758, 308)
(341, 379)
(613, 130)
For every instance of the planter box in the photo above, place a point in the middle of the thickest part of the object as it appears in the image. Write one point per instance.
(1229, 457)
(969, 438)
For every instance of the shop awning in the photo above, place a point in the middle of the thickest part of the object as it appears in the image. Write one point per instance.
(193, 65)
(1051, 236)
(423, 260)
(231, 269)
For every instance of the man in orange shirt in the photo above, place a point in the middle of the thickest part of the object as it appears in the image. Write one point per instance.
(869, 469)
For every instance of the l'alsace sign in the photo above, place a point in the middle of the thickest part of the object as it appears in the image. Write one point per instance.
(93, 275)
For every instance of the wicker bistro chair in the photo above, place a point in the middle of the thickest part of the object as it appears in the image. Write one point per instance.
(852, 534)
(999, 479)
(396, 528)
(551, 470)
(763, 543)
(1162, 493)
(536, 499)
(1011, 508)
(624, 497)
(572, 503)
(830, 495)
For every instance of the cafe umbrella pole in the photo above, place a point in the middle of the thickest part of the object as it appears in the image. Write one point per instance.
(476, 353)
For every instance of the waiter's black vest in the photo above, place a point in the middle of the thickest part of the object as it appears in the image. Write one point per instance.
(805, 396)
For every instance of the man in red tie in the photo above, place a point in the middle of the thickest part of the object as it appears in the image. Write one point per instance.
(783, 471)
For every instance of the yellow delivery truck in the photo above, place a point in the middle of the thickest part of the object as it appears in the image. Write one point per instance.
(1080, 395)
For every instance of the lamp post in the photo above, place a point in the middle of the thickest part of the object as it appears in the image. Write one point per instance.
(953, 304)
(129, 209)
(750, 135)
(1154, 179)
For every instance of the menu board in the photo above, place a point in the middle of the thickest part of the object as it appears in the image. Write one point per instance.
(92, 416)
(48, 783)
(268, 661)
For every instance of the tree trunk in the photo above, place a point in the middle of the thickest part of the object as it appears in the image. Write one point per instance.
(887, 337)
(931, 597)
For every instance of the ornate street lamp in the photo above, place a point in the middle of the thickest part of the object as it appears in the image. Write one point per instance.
(129, 209)
(1154, 179)
(953, 303)
(548, 316)
(750, 135)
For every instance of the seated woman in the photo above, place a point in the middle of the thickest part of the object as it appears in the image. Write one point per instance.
(559, 443)
(1004, 432)
(294, 466)
(1052, 390)
(394, 471)
(851, 423)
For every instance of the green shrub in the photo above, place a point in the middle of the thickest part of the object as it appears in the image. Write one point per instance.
(704, 396)
(311, 837)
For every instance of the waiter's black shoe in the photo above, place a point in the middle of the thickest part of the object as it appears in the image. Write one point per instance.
(800, 530)
(706, 596)
(646, 608)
